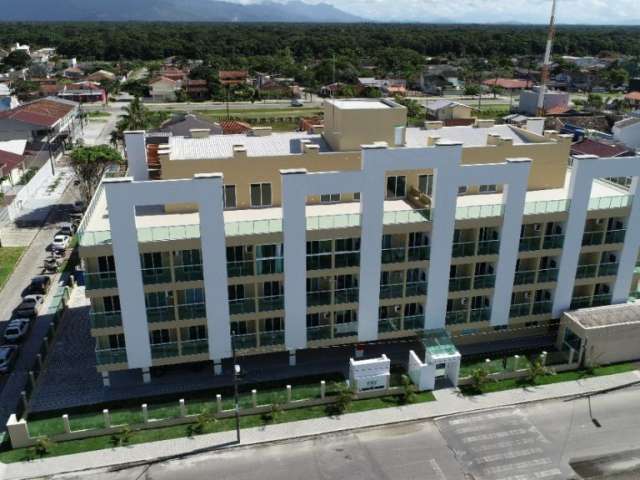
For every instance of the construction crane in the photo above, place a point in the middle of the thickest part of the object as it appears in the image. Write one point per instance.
(546, 67)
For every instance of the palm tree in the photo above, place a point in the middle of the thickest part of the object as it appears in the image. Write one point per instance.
(136, 117)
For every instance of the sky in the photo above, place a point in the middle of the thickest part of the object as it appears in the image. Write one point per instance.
(490, 11)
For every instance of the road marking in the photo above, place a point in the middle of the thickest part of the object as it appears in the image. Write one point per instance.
(518, 466)
(478, 428)
(492, 436)
(436, 468)
(510, 455)
(478, 418)
(505, 444)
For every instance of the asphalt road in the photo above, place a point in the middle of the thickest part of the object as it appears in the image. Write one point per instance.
(534, 442)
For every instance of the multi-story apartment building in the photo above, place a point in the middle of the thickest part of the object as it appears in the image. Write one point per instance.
(369, 230)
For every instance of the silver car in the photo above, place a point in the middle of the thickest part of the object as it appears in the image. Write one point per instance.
(16, 330)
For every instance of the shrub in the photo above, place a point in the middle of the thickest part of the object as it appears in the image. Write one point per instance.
(408, 390)
(344, 397)
(479, 378)
(536, 370)
(274, 412)
(42, 447)
(200, 425)
(122, 437)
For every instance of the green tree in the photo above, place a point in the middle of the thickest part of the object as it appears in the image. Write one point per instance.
(17, 59)
(537, 370)
(471, 90)
(89, 165)
(408, 390)
(344, 397)
(479, 378)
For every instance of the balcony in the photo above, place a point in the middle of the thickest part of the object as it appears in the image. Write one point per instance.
(164, 350)
(320, 332)
(100, 280)
(269, 267)
(418, 254)
(241, 306)
(246, 341)
(195, 347)
(413, 322)
(456, 317)
(586, 271)
(525, 278)
(520, 310)
(391, 291)
(615, 236)
(161, 314)
(347, 295)
(154, 276)
(548, 275)
(393, 255)
(608, 269)
(542, 308)
(318, 262)
(105, 319)
(318, 298)
(111, 356)
(386, 325)
(188, 273)
(489, 247)
(530, 244)
(602, 299)
(552, 242)
(349, 329)
(268, 304)
(484, 281)
(580, 302)
(240, 269)
(467, 249)
(345, 260)
(416, 289)
(592, 238)
(459, 284)
(480, 315)
(192, 311)
(268, 339)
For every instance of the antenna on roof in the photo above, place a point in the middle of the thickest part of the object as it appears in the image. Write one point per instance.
(544, 77)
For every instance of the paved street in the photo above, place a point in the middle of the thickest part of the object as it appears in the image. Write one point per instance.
(531, 442)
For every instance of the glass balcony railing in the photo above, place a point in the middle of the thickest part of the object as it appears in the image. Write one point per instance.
(546, 206)
(269, 266)
(608, 269)
(602, 299)
(541, 308)
(318, 298)
(269, 339)
(188, 273)
(246, 341)
(240, 306)
(240, 269)
(386, 325)
(391, 291)
(320, 332)
(192, 311)
(418, 254)
(466, 249)
(525, 278)
(194, 347)
(393, 255)
(580, 302)
(416, 289)
(548, 275)
(319, 262)
(347, 295)
(489, 247)
(484, 281)
(456, 317)
(615, 236)
(592, 238)
(586, 271)
(111, 356)
(154, 276)
(100, 280)
(608, 203)
(552, 242)
(520, 310)
(161, 314)
(530, 244)
(345, 260)
(164, 350)
(268, 304)
(480, 315)
(458, 284)
(105, 319)
(413, 322)
(349, 329)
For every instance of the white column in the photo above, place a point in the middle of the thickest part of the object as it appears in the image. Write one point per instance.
(514, 197)
(208, 188)
(295, 257)
(136, 149)
(124, 237)
(579, 195)
(629, 253)
(371, 223)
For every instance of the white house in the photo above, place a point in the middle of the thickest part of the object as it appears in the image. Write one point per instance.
(164, 89)
(627, 131)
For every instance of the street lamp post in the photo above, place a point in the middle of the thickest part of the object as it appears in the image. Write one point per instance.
(236, 372)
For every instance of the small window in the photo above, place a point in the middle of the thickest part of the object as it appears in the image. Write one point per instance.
(488, 188)
(356, 196)
(396, 187)
(462, 189)
(229, 196)
(425, 184)
(330, 198)
(260, 194)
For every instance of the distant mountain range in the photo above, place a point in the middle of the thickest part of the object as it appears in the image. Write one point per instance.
(172, 11)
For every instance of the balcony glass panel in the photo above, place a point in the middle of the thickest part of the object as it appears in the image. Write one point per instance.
(321, 332)
(393, 255)
(344, 260)
(389, 325)
(586, 271)
(459, 284)
(391, 291)
(192, 311)
(520, 310)
(530, 244)
(540, 308)
(242, 306)
(267, 304)
(600, 300)
(194, 347)
(608, 269)
(188, 273)
(348, 295)
(318, 298)
(98, 280)
(580, 302)
(111, 356)
(592, 238)
(153, 276)
(480, 315)
(243, 342)
(349, 329)
(416, 289)
(484, 281)
(553, 242)
(240, 269)
(413, 322)
(105, 319)
(548, 275)
(456, 317)
(318, 262)
(268, 339)
(161, 314)
(490, 247)
(164, 350)
(417, 254)
(467, 249)
(615, 236)
(270, 266)
(525, 278)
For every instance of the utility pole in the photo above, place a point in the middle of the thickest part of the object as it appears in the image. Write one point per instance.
(236, 372)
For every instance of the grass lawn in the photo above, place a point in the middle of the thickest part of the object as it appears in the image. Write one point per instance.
(9, 256)
(95, 115)
(261, 113)
(40, 427)
(548, 379)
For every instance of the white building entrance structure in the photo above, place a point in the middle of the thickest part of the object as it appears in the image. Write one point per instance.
(442, 360)
(370, 374)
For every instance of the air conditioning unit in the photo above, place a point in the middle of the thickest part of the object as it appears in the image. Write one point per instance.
(537, 227)
(397, 308)
(463, 301)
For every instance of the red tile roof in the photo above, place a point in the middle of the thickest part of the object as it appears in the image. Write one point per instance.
(9, 160)
(633, 96)
(558, 110)
(230, 77)
(232, 127)
(508, 83)
(45, 112)
(599, 149)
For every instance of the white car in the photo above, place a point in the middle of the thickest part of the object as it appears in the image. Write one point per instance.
(16, 329)
(29, 306)
(60, 242)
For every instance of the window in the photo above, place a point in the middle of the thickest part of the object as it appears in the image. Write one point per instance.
(188, 257)
(418, 239)
(462, 189)
(346, 281)
(111, 304)
(162, 336)
(356, 196)
(271, 325)
(488, 188)
(346, 316)
(242, 327)
(111, 342)
(106, 264)
(239, 254)
(347, 245)
(319, 254)
(260, 194)
(158, 299)
(152, 260)
(230, 196)
(330, 198)
(272, 289)
(236, 292)
(197, 332)
(396, 187)
(425, 184)
(190, 296)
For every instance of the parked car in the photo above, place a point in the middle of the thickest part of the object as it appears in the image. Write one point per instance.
(296, 102)
(51, 264)
(39, 285)
(8, 355)
(78, 206)
(29, 306)
(60, 243)
(17, 329)
(76, 218)
(68, 229)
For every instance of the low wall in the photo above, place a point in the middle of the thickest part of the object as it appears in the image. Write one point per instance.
(521, 373)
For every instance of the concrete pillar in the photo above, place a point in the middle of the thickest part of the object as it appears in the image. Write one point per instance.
(292, 358)
(543, 358)
(39, 360)
(183, 408)
(145, 413)
(107, 418)
(219, 403)
(32, 379)
(65, 422)
(254, 398)
(629, 253)
(25, 400)
(217, 366)
(136, 150)
(106, 380)
(288, 393)
(516, 361)
(323, 388)
(18, 432)
(146, 375)
(572, 354)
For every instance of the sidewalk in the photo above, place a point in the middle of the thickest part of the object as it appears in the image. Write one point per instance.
(448, 402)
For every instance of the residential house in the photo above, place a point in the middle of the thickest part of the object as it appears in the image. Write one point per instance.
(12, 160)
(627, 131)
(174, 73)
(509, 84)
(196, 89)
(7, 99)
(555, 102)
(601, 148)
(73, 73)
(101, 75)
(83, 92)
(441, 79)
(233, 77)
(23, 48)
(448, 110)
(164, 89)
(388, 86)
(183, 125)
(234, 127)
(43, 55)
(633, 99)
